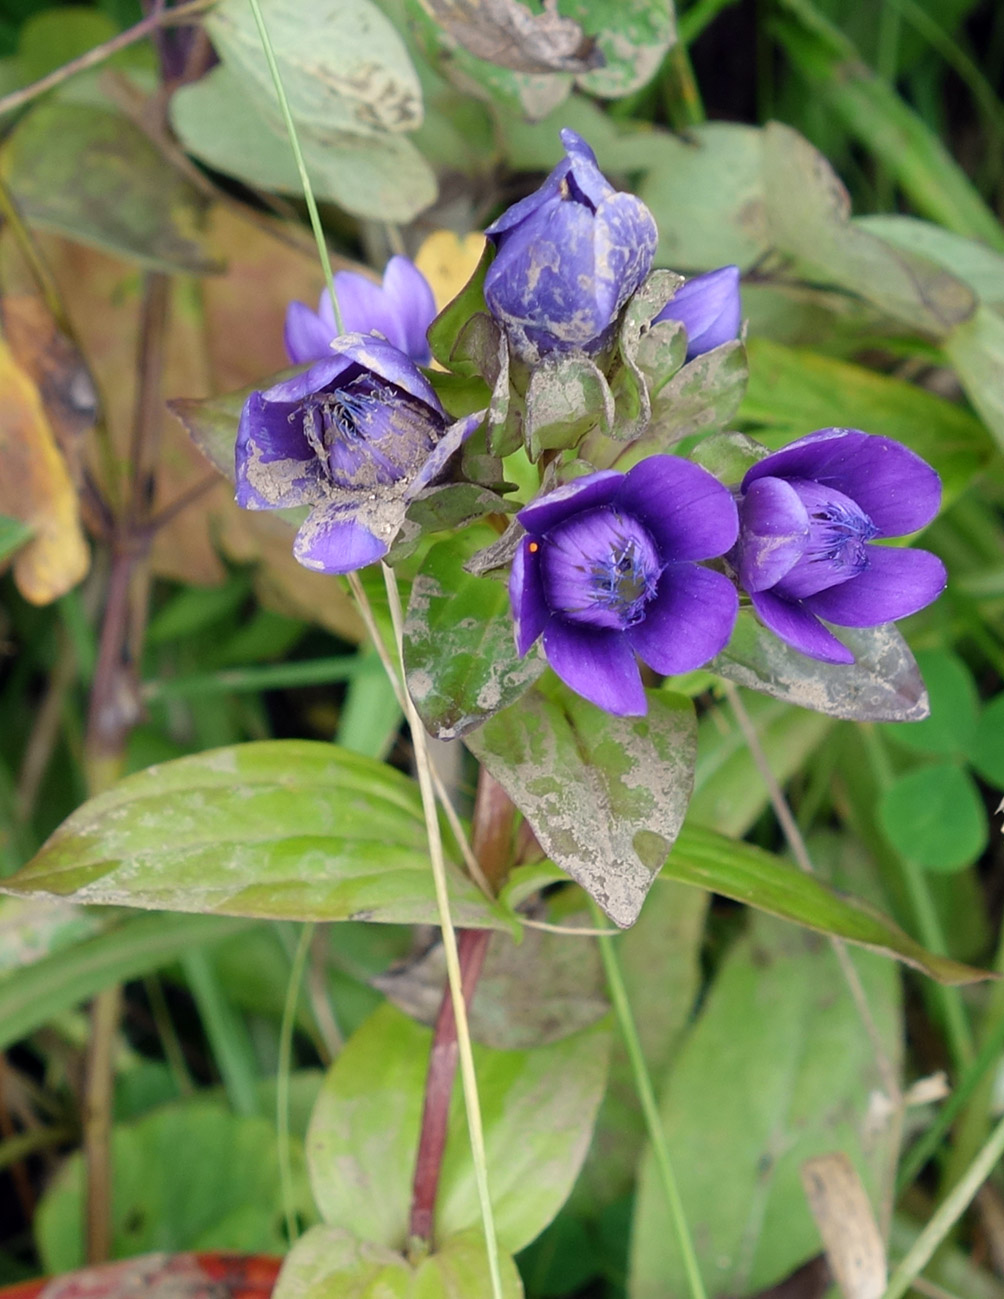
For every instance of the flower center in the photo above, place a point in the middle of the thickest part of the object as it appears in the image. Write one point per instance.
(369, 432)
(836, 548)
(600, 567)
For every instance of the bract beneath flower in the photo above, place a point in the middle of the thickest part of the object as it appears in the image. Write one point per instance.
(401, 309)
(808, 515)
(568, 258)
(357, 436)
(608, 570)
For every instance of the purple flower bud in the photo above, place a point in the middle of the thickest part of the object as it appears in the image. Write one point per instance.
(709, 308)
(568, 258)
(401, 310)
(807, 515)
(357, 437)
(608, 570)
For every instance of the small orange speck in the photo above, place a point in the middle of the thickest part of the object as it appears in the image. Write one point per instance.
(533, 547)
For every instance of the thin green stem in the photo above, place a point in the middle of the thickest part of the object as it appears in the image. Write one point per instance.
(226, 1031)
(468, 1076)
(650, 1109)
(265, 676)
(946, 1215)
(283, 1073)
(301, 166)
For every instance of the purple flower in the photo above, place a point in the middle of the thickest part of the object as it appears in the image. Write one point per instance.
(568, 258)
(357, 437)
(807, 515)
(401, 309)
(607, 570)
(709, 308)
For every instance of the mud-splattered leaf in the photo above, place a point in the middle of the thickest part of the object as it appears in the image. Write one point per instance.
(507, 33)
(509, 1013)
(282, 828)
(632, 36)
(567, 397)
(459, 651)
(605, 795)
(330, 1261)
(36, 490)
(92, 175)
(760, 879)
(343, 64)
(701, 397)
(537, 1106)
(808, 213)
(737, 1149)
(882, 685)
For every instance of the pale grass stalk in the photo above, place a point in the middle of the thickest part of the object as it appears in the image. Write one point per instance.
(472, 1102)
(283, 1074)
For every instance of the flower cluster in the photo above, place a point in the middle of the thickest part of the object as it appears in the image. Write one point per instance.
(610, 568)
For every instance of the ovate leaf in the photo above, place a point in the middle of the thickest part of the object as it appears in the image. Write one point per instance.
(605, 795)
(935, 817)
(282, 828)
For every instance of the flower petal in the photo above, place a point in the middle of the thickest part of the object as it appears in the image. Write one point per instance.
(332, 540)
(898, 490)
(585, 493)
(774, 527)
(451, 441)
(895, 584)
(275, 465)
(389, 363)
(412, 307)
(306, 335)
(515, 215)
(687, 510)
(526, 595)
(597, 664)
(321, 375)
(625, 237)
(710, 309)
(799, 628)
(689, 620)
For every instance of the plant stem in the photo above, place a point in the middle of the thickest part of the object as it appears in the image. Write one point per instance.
(467, 1072)
(946, 1215)
(283, 1071)
(98, 1088)
(472, 948)
(650, 1109)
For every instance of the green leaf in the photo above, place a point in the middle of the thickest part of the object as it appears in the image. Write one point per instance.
(883, 684)
(987, 752)
(344, 67)
(93, 176)
(189, 1176)
(777, 1069)
(954, 705)
(13, 535)
(604, 795)
(968, 260)
(226, 123)
(332, 1263)
(935, 817)
(808, 214)
(976, 350)
(632, 35)
(795, 391)
(739, 870)
(285, 829)
(52, 37)
(707, 196)
(125, 948)
(537, 1106)
(459, 652)
(567, 396)
(446, 328)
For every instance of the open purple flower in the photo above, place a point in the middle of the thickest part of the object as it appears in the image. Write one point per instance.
(567, 258)
(357, 437)
(607, 570)
(807, 515)
(401, 309)
(709, 308)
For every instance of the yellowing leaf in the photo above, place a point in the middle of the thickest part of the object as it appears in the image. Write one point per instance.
(448, 262)
(35, 487)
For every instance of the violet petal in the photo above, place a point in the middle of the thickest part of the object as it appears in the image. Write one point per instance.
(412, 305)
(774, 527)
(333, 541)
(898, 490)
(625, 237)
(451, 442)
(689, 620)
(597, 664)
(275, 465)
(687, 510)
(586, 493)
(895, 584)
(306, 335)
(799, 628)
(389, 363)
(709, 308)
(526, 595)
